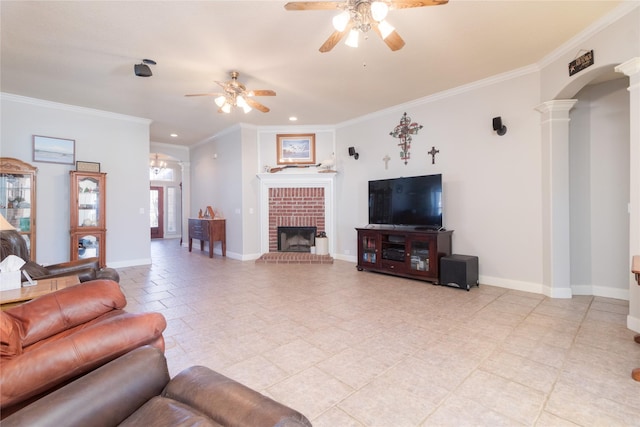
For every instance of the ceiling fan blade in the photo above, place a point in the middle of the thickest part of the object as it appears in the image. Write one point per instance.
(255, 104)
(263, 92)
(406, 4)
(205, 94)
(334, 38)
(314, 5)
(393, 40)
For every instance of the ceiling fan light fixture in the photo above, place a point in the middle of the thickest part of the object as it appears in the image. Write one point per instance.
(352, 38)
(379, 10)
(220, 101)
(340, 21)
(385, 29)
(240, 101)
(226, 108)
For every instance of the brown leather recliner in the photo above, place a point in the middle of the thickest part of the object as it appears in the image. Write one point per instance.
(60, 336)
(12, 243)
(135, 390)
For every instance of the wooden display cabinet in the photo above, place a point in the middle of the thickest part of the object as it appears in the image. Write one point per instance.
(18, 198)
(403, 252)
(88, 215)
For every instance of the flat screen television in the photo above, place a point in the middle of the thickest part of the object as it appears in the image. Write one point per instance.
(411, 201)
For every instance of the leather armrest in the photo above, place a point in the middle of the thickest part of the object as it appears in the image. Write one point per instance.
(66, 356)
(72, 266)
(109, 274)
(104, 397)
(228, 402)
(55, 312)
(84, 275)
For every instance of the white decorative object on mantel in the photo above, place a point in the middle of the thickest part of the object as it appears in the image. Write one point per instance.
(297, 178)
(322, 246)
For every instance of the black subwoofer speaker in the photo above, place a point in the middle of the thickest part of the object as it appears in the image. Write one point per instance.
(460, 271)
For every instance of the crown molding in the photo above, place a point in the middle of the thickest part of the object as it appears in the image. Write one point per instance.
(4, 96)
(576, 42)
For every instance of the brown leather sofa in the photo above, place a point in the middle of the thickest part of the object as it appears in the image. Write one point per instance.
(12, 243)
(135, 390)
(60, 336)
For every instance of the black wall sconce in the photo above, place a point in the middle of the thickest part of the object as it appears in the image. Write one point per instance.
(498, 126)
(142, 69)
(352, 152)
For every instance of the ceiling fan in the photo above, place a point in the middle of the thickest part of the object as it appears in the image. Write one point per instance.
(236, 95)
(362, 16)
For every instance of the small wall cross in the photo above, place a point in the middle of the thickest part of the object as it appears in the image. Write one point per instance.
(386, 159)
(433, 153)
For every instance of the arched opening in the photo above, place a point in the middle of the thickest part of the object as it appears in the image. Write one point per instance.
(557, 161)
(165, 196)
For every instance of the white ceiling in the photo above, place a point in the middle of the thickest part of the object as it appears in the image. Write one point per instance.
(83, 52)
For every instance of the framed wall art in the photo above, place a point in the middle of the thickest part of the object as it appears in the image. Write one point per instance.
(54, 150)
(296, 149)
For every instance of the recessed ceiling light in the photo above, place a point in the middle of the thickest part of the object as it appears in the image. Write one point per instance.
(293, 118)
(174, 135)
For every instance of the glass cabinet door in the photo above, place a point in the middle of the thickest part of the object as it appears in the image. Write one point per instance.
(88, 246)
(88, 202)
(420, 254)
(369, 248)
(18, 198)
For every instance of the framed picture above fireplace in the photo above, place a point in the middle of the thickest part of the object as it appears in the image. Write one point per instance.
(296, 149)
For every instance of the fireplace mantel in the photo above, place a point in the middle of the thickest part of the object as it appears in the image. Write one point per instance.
(297, 179)
(304, 178)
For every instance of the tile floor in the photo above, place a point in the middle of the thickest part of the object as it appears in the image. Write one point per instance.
(349, 348)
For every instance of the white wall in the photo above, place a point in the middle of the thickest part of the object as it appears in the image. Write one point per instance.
(491, 183)
(99, 137)
(216, 181)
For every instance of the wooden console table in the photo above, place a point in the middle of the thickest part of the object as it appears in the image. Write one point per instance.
(208, 230)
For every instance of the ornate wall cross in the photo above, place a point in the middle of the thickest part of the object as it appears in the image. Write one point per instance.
(404, 131)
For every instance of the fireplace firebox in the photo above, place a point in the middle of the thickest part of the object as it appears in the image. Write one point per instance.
(296, 239)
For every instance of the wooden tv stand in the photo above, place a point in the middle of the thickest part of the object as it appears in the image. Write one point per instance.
(405, 252)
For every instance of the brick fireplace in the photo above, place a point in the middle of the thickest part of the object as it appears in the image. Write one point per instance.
(294, 199)
(294, 207)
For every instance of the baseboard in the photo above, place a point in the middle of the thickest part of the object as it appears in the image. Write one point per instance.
(601, 291)
(518, 285)
(348, 258)
(129, 263)
(515, 285)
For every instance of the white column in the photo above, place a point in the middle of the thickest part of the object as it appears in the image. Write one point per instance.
(186, 201)
(631, 68)
(556, 265)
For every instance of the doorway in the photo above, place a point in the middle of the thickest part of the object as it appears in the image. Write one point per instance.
(156, 212)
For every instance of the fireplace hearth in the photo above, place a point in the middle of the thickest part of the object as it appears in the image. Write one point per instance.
(296, 239)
